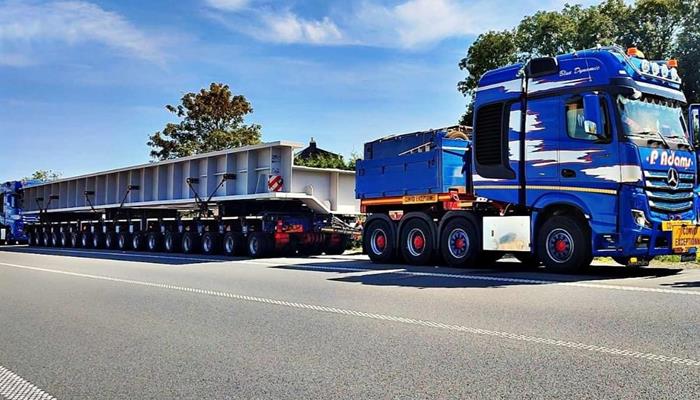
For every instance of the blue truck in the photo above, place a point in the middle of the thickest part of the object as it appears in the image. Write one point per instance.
(11, 219)
(607, 166)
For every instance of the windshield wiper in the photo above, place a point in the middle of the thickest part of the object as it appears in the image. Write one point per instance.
(657, 137)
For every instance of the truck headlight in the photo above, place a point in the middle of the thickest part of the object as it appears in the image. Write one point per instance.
(640, 219)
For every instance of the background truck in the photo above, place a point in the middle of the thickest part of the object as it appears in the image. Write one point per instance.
(250, 200)
(605, 166)
(11, 220)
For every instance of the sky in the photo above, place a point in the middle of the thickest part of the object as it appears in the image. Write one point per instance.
(84, 83)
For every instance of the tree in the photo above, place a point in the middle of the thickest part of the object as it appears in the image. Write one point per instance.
(43, 175)
(323, 161)
(660, 28)
(212, 120)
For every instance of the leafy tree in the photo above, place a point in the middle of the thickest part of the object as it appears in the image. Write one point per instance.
(323, 161)
(661, 28)
(43, 175)
(212, 119)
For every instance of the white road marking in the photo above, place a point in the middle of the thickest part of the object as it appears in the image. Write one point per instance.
(384, 317)
(486, 278)
(14, 387)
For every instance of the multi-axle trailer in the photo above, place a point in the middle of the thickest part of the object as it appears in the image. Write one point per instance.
(250, 200)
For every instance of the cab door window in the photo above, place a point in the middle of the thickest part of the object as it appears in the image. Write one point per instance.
(575, 119)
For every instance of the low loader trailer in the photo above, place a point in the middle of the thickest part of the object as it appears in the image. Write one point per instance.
(582, 155)
(245, 201)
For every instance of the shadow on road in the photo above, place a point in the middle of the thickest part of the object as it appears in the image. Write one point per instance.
(115, 255)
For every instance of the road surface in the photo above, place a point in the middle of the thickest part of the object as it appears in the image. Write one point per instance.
(78, 324)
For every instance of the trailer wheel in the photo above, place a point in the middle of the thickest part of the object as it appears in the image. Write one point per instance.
(564, 245)
(86, 239)
(416, 242)
(336, 244)
(74, 239)
(172, 242)
(153, 240)
(65, 239)
(233, 244)
(46, 239)
(123, 240)
(211, 243)
(55, 239)
(459, 242)
(111, 240)
(259, 244)
(138, 241)
(98, 240)
(191, 242)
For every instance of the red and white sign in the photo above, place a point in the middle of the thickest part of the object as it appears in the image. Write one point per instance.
(275, 183)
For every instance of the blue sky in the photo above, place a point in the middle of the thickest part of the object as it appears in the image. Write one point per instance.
(83, 83)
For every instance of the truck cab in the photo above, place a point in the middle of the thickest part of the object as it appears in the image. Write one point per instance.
(11, 220)
(608, 164)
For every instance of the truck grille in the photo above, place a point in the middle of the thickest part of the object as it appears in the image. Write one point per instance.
(664, 198)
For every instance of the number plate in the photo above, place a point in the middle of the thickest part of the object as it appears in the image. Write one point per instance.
(667, 226)
(683, 238)
(420, 199)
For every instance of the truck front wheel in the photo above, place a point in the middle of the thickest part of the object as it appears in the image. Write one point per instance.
(378, 242)
(458, 243)
(416, 242)
(564, 245)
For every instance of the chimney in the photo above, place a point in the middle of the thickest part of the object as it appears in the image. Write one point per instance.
(312, 145)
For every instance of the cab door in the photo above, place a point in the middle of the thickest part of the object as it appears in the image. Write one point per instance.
(589, 159)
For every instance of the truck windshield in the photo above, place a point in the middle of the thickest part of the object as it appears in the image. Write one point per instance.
(651, 116)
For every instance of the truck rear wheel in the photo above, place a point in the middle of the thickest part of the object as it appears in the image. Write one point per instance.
(153, 240)
(191, 242)
(379, 242)
(458, 243)
(564, 245)
(416, 242)
(211, 243)
(233, 244)
(259, 244)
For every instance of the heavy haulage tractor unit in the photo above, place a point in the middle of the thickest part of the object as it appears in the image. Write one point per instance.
(11, 219)
(575, 156)
(246, 201)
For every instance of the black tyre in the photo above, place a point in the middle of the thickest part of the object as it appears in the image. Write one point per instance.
(86, 240)
(528, 260)
(111, 240)
(31, 239)
(123, 240)
(154, 241)
(416, 242)
(336, 244)
(234, 244)
(172, 243)
(55, 239)
(75, 239)
(379, 242)
(191, 242)
(259, 245)
(211, 243)
(459, 243)
(98, 240)
(46, 239)
(564, 245)
(138, 241)
(65, 239)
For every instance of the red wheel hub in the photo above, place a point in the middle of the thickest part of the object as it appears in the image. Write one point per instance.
(459, 243)
(380, 241)
(418, 242)
(560, 246)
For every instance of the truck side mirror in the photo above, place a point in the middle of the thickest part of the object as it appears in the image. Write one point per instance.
(593, 116)
(694, 124)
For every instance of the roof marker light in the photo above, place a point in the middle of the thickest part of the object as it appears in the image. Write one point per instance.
(672, 63)
(635, 52)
